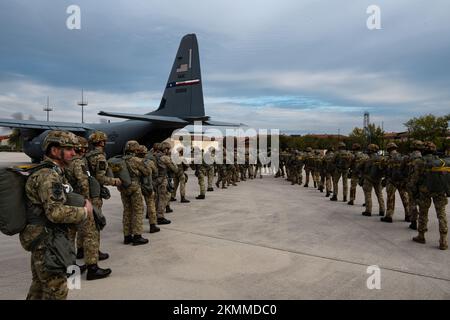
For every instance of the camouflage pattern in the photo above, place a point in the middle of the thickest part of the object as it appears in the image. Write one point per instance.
(309, 165)
(356, 171)
(343, 159)
(164, 164)
(61, 138)
(180, 180)
(371, 183)
(45, 189)
(88, 236)
(210, 175)
(132, 200)
(396, 180)
(413, 168)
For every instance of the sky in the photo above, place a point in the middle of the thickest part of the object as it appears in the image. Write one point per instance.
(301, 66)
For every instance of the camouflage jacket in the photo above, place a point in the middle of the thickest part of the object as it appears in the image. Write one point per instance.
(98, 166)
(77, 175)
(343, 160)
(357, 165)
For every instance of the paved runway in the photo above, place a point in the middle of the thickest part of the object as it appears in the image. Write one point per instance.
(263, 239)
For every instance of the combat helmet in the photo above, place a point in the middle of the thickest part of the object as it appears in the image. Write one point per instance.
(356, 146)
(309, 149)
(97, 137)
(373, 147)
(417, 145)
(429, 146)
(391, 145)
(131, 146)
(164, 145)
(142, 149)
(61, 139)
(82, 143)
(341, 145)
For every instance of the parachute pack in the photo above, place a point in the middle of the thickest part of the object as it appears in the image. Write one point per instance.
(437, 175)
(120, 170)
(13, 208)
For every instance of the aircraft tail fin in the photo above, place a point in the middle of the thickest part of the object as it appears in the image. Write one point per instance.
(183, 96)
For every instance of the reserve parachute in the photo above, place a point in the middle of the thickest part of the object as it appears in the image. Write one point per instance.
(120, 170)
(438, 175)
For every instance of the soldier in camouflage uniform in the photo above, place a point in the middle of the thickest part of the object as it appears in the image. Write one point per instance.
(318, 160)
(343, 159)
(180, 180)
(88, 238)
(45, 192)
(372, 175)
(309, 166)
(200, 167)
(209, 168)
(414, 156)
(330, 167)
(355, 173)
(395, 180)
(132, 200)
(423, 171)
(148, 191)
(164, 164)
(98, 167)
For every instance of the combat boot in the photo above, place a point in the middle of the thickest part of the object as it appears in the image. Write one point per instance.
(95, 272)
(210, 189)
(127, 239)
(367, 214)
(305, 185)
(386, 219)
(420, 238)
(217, 184)
(345, 199)
(102, 255)
(154, 228)
(333, 198)
(407, 218)
(350, 203)
(200, 197)
(80, 253)
(168, 209)
(413, 225)
(443, 244)
(173, 199)
(184, 200)
(321, 189)
(163, 221)
(138, 240)
(381, 213)
(223, 187)
(315, 185)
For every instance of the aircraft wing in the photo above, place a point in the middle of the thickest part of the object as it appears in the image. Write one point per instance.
(144, 117)
(222, 124)
(44, 125)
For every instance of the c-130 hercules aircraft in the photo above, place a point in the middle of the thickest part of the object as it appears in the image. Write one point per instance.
(181, 105)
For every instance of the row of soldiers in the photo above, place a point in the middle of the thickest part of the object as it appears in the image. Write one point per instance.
(419, 177)
(75, 165)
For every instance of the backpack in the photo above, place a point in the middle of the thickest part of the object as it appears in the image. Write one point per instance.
(437, 174)
(120, 170)
(13, 202)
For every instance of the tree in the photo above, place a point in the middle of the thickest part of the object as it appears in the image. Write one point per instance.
(428, 128)
(375, 135)
(15, 141)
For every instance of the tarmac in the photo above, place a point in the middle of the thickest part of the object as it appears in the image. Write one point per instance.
(264, 239)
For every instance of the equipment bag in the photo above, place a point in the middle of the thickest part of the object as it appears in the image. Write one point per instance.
(13, 208)
(120, 170)
(437, 175)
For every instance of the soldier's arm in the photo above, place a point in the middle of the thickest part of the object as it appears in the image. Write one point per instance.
(168, 162)
(100, 174)
(51, 194)
(81, 178)
(140, 165)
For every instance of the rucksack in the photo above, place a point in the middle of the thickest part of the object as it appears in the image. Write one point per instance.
(120, 170)
(437, 174)
(13, 202)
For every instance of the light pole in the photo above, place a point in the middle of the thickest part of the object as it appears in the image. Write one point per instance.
(47, 108)
(83, 103)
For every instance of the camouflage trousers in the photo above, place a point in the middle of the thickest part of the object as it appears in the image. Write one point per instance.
(151, 207)
(353, 184)
(413, 206)
(210, 175)
(317, 178)
(179, 181)
(440, 201)
(235, 173)
(161, 198)
(367, 188)
(328, 182)
(133, 210)
(88, 237)
(45, 286)
(221, 175)
(251, 170)
(201, 181)
(308, 171)
(243, 172)
(390, 201)
(337, 176)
